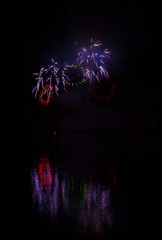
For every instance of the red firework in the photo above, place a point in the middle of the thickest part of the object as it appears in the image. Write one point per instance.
(103, 94)
(46, 94)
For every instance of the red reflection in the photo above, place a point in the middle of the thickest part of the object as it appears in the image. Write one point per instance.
(45, 171)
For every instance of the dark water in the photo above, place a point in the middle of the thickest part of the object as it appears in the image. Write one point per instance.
(81, 185)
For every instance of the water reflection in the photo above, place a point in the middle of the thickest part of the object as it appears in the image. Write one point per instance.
(84, 200)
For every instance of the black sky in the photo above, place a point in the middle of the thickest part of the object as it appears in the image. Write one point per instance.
(36, 31)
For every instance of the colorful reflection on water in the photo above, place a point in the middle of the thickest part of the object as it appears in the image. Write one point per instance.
(84, 200)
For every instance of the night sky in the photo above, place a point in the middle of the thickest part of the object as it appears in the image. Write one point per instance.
(34, 32)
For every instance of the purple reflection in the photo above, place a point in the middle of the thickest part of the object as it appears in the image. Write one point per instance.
(57, 194)
(45, 187)
(96, 210)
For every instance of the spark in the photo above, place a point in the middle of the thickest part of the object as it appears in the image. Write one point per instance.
(91, 64)
(53, 75)
(93, 59)
(39, 80)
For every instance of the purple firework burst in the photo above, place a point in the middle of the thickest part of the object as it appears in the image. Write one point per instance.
(93, 59)
(53, 75)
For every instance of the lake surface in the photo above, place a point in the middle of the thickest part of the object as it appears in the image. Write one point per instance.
(83, 185)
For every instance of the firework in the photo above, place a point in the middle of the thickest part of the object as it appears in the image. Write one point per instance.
(52, 74)
(75, 75)
(49, 80)
(103, 90)
(46, 94)
(40, 81)
(93, 59)
(91, 65)
(45, 75)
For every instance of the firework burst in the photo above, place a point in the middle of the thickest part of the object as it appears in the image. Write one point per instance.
(52, 76)
(40, 81)
(46, 94)
(75, 75)
(93, 59)
(90, 68)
